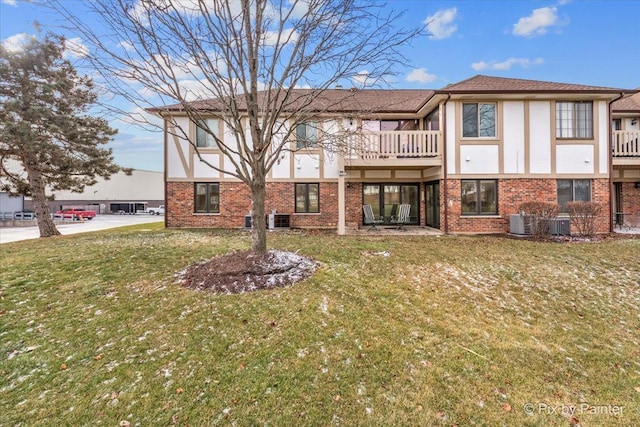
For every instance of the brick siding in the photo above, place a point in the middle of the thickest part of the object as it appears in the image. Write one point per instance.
(631, 204)
(235, 203)
(511, 193)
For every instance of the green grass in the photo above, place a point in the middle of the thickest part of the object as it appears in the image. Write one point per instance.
(443, 331)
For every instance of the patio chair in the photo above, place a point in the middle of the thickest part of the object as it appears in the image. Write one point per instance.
(403, 217)
(370, 219)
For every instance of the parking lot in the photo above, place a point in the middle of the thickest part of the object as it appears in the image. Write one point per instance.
(100, 222)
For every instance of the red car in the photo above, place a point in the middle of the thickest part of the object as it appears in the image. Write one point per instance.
(76, 213)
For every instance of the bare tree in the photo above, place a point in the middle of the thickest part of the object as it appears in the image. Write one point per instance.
(242, 59)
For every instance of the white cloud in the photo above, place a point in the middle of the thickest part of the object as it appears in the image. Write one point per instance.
(506, 65)
(16, 42)
(440, 26)
(126, 46)
(538, 22)
(361, 78)
(287, 36)
(10, 2)
(75, 48)
(420, 75)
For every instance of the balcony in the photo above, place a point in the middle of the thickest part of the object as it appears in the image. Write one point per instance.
(626, 147)
(394, 148)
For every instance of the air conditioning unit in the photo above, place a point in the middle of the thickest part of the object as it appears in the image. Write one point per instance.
(560, 226)
(520, 224)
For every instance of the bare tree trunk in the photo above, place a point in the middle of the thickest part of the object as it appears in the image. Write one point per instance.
(40, 206)
(259, 226)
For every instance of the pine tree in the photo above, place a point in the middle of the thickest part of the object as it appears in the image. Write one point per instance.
(46, 128)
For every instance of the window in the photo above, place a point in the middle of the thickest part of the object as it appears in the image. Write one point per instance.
(617, 124)
(479, 120)
(479, 197)
(307, 198)
(574, 120)
(573, 190)
(204, 138)
(432, 121)
(307, 135)
(207, 197)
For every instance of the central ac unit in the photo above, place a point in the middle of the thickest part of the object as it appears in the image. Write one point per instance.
(520, 224)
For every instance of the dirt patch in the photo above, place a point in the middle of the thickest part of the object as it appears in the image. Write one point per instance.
(247, 271)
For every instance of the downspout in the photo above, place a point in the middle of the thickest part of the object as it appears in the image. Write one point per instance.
(611, 224)
(445, 193)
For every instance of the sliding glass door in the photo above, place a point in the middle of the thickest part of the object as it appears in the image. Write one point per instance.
(385, 199)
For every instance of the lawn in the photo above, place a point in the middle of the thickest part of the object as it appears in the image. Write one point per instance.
(390, 331)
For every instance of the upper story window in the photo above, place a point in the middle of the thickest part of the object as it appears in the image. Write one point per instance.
(617, 124)
(306, 135)
(478, 120)
(574, 119)
(205, 129)
(432, 121)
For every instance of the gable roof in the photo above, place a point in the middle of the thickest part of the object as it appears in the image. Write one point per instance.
(490, 84)
(628, 104)
(329, 100)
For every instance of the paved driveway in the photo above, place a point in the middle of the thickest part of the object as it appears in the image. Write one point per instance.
(100, 222)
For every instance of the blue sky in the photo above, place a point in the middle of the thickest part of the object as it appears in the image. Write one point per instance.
(583, 42)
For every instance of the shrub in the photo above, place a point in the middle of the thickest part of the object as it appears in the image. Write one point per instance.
(539, 214)
(584, 217)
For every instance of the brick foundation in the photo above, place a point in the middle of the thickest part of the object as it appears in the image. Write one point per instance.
(511, 193)
(235, 203)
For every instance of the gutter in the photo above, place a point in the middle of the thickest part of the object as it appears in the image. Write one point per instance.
(445, 193)
(609, 118)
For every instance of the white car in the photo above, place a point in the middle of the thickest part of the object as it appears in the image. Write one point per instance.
(156, 211)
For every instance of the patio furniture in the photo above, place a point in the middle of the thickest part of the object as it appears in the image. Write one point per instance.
(403, 217)
(370, 218)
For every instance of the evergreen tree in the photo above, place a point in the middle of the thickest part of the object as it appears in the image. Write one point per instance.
(46, 128)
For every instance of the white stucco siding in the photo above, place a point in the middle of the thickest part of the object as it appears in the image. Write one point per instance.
(230, 141)
(330, 160)
(450, 137)
(479, 159)
(306, 166)
(540, 137)
(603, 135)
(175, 153)
(202, 170)
(574, 159)
(513, 137)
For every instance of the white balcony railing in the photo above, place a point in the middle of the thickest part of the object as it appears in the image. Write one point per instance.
(415, 144)
(626, 143)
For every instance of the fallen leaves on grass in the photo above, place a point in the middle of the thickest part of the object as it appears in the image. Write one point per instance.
(247, 271)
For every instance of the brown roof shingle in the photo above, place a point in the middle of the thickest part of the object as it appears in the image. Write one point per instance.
(333, 101)
(628, 104)
(489, 84)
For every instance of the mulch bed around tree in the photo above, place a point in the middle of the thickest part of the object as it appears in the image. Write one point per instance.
(247, 271)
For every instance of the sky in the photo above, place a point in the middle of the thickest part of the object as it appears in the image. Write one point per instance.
(571, 41)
